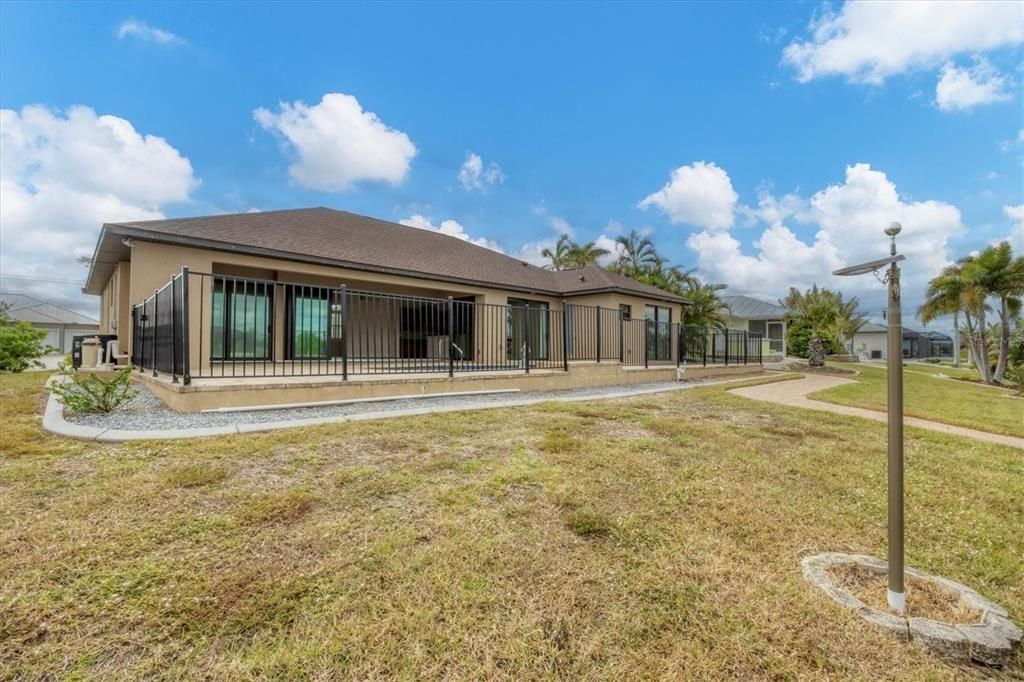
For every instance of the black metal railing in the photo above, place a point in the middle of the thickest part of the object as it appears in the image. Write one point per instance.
(255, 327)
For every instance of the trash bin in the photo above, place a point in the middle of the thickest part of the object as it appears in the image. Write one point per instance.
(90, 351)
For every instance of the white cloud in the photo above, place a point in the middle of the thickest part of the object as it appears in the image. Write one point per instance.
(849, 219)
(62, 176)
(700, 194)
(338, 143)
(452, 228)
(143, 31)
(474, 176)
(1016, 236)
(963, 89)
(869, 41)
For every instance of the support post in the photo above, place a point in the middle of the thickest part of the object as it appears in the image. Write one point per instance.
(526, 337)
(622, 338)
(746, 346)
(704, 344)
(451, 337)
(597, 312)
(896, 596)
(174, 332)
(344, 332)
(156, 302)
(565, 336)
(647, 340)
(186, 354)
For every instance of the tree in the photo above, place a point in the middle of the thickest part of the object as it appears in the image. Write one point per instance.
(706, 308)
(583, 255)
(831, 320)
(637, 255)
(998, 274)
(560, 255)
(567, 254)
(945, 297)
(21, 344)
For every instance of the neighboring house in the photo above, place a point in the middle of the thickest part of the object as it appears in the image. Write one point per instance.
(934, 345)
(329, 293)
(753, 315)
(59, 323)
(870, 342)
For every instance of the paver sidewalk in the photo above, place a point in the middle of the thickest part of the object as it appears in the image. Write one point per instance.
(795, 393)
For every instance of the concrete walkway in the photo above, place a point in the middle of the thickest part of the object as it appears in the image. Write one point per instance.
(795, 393)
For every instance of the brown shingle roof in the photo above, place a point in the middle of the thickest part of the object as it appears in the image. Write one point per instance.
(341, 238)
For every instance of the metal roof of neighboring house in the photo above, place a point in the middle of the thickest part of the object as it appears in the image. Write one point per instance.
(330, 237)
(873, 328)
(28, 309)
(747, 308)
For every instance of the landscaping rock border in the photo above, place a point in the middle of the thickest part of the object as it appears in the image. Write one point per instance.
(991, 641)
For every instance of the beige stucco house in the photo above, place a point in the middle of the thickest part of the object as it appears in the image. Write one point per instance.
(314, 296)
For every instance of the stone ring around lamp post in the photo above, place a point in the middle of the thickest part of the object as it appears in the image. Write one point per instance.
(990, 641)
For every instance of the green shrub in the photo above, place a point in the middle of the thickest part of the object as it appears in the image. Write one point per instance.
(21, 344)
(89, 392)
(1014, 376)
(798, 340)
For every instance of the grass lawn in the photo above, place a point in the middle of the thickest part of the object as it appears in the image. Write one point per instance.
(652, 537)
(942, 400)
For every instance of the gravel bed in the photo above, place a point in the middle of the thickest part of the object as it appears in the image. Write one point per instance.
(148, 412)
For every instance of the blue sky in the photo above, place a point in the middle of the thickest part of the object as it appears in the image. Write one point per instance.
(577, 112)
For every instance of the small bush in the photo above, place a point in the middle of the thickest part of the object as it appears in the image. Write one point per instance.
(1014, 376)
(89, 392)
(21, 344)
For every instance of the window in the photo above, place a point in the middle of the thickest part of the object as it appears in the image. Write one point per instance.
(625, 311)
(757, 327)
(876, 355)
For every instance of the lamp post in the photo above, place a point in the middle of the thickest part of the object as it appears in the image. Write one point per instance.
(894, 361)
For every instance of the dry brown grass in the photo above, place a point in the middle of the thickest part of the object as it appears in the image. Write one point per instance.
(657, 537)
(924, 599)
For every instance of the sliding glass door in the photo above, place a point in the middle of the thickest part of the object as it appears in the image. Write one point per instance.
(516, 328)
(659, 332)
(241, 320)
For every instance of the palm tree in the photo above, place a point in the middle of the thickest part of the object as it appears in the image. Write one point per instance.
(637, 255)
(582, 255)
(706, 308)
(996, 272)
(561, 253)
(823, 312)
(945, 297)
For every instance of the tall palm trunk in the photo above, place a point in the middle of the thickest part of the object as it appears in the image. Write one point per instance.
(956, 338)
(1004, 340)
(982, 349)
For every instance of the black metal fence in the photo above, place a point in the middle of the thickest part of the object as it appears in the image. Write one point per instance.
(254, 327)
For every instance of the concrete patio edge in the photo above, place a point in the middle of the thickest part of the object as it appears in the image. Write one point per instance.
(54, 422)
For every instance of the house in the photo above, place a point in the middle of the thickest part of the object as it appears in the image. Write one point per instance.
(299, 300)
(60, 324)
(756, 316)
(934, 345)
(870, 342)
